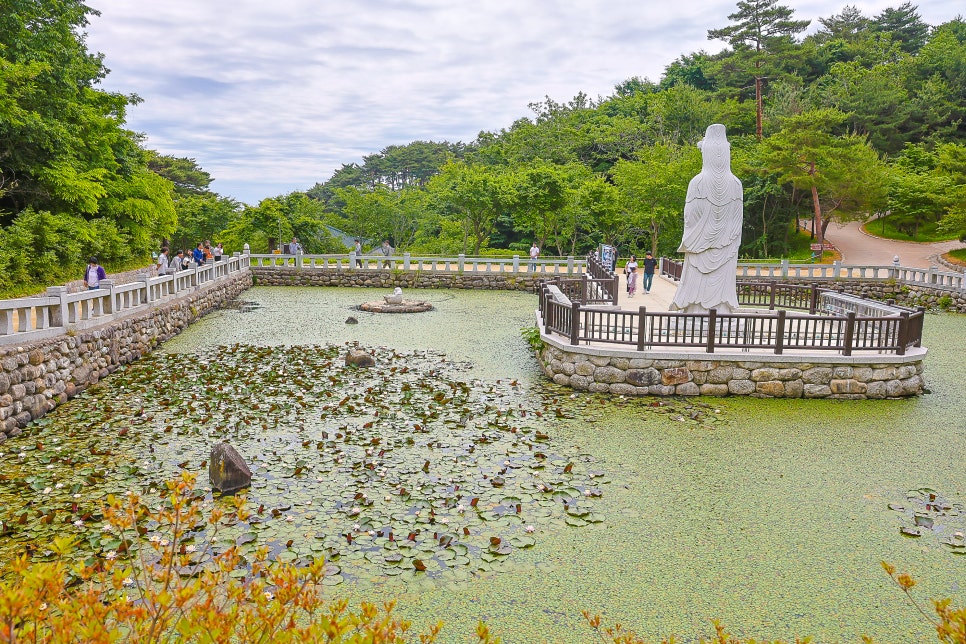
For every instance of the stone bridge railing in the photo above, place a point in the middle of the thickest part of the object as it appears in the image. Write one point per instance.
(441, 264)
(58, 312)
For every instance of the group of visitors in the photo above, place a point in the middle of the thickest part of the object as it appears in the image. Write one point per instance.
(385, 250)
(630, 270)
(169, 263)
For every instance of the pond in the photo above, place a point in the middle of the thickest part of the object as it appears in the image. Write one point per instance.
(522, 502)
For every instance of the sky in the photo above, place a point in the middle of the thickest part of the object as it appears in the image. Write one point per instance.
(272, 97)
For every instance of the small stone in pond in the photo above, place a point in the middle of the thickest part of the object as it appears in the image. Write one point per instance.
(351, 320)
(910, 532)
(896, 507)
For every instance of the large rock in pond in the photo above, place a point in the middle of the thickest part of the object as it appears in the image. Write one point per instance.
(227, 470)
(359, 358)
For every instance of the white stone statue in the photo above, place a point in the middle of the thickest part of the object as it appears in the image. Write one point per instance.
(712, 231)
(395, 298)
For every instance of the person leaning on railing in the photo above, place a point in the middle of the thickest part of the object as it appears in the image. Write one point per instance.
(94, 274)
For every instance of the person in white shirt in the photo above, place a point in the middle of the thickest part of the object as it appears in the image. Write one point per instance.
(534, 254)
(163, 261)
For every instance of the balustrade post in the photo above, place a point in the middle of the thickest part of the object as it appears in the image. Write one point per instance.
(641, 327)
(712, 322)
(903, 333)
(461, 262)
(575, 323)
(570, 264)
(785, 268)
(516, 263)
(148, 295)
(60, 315)
(780, 332)
(109, 305)
(849, 333)
(836, 267)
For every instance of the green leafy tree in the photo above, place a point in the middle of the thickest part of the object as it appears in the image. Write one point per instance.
(653, 189)
(477, 195)
(762, 31)
(808, 154)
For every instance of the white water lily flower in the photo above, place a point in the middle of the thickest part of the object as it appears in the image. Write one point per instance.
(372, 533)
(128, 581)
(530, 529)
(355, 511)
(43, 606)
(165, 543)
(356, 527)
(587, 493)
(388, 498)
(59, 485)
(155, 538)
(289, 518)
(48, 490)
(107, 527)
(460, 508)
(79, 523)
(111, 554)
(77, 496)
(50, 467)
(191, 548)
(22, 454)
(269, 596)
(444, 520)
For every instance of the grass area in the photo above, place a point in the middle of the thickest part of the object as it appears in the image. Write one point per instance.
(957, 256)
(928, 232)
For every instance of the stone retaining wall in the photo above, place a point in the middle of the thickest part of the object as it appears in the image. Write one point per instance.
(389, 279)
(906, 295)
(36, 377)
(631, 373)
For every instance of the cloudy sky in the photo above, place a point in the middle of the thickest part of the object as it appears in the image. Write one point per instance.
(271, 97)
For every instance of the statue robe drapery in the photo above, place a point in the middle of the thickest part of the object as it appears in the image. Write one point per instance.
(712, 232)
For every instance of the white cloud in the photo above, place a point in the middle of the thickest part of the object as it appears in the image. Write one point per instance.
(274, 96)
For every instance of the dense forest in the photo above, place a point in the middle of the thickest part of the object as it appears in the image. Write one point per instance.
(862, 117)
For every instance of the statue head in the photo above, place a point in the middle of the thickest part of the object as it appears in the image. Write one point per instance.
(715, 150)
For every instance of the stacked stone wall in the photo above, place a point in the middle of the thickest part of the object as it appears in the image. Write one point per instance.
(389, 279)
(903, 294)
(603, 371)
(36, 377)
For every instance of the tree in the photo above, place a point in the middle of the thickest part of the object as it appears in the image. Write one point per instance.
(762, 31)
(653, 189)
(843, 169)
(904, 25)
(477, 194)
(186, 175)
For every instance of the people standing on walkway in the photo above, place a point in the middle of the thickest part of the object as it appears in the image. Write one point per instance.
(650, 264)
(177, 262)
(94, 274)
(163, 261)
(198, 254)
(218, 251)
(209, 256)
(357, 251)
(534, 254)
(294, 247)
(386, 250)
(630, 271)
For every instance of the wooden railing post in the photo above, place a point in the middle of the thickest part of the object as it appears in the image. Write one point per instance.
(641, 327)
(575, 323)
(780, 332)
(616, 289)
(712, 322)
(771, 295)
(813, 304)
(849, 333)
(903, 333)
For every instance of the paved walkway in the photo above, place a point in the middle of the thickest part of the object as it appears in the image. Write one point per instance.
(662, 292)
(858, 247)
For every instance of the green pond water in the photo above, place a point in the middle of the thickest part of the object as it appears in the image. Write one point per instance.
(770, 515)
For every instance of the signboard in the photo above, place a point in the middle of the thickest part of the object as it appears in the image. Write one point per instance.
(825, 246)
(608, 256)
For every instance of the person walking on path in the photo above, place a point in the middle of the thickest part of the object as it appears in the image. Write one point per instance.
(386, 250)
(93, 275)
(630, 270)
(534, 254)
(649, 265)
(357, 249)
